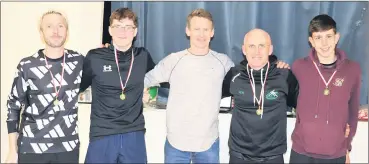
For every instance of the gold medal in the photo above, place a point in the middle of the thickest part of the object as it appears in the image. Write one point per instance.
(258, 111)
(326, 92)
(122, 96)
(56, 102)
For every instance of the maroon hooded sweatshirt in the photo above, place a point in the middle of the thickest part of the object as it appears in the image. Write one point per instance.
(321, 120)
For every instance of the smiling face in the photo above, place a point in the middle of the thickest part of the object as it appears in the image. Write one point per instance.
(122, 32)
(323, 36)
(324, 43)
(200, 29)
(123, 27)
(257, 47)
(54, 29)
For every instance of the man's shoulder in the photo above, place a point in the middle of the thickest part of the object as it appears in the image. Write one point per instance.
(224, 58)
(352, 63)
(74, 54)
(176, 55)
(353, 66)
(300, 60)
(179, 53)
(100, 50)
(30, 60)
(238, 68)
(220, 55)
(283, 71)
(141, 50)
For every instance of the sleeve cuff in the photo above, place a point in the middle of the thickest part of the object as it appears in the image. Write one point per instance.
(12, 126)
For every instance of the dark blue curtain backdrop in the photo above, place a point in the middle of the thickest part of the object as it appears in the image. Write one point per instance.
(162, 27)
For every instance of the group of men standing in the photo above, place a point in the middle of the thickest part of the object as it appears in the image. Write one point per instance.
(324, 87)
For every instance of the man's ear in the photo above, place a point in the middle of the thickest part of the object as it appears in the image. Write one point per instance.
(212, 33)
(311, 41)
(244, 49)
(110, 31)
(135, 32)
(188, 32)
(270, 49)
(337, 37)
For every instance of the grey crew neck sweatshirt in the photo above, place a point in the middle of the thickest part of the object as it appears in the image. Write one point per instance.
(194, 96)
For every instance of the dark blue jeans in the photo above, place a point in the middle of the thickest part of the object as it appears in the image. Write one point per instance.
(173, 155)
(119, 148)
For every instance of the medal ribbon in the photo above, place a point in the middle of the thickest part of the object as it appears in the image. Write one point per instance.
(252, 83)
(322, 77)
(129, 72)
(52, 76)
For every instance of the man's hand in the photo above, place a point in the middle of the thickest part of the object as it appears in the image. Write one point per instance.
(347, 158)
(363, 113)
(106, 45)
(347, 130)
(13, 148)
(282, 64)
(146, 95)
(12, 157)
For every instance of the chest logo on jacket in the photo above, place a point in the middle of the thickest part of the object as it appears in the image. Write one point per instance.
(272, 95)
(241, 92)
(107, 68)
(339, 82)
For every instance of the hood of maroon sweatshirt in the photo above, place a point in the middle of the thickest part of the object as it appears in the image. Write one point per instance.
(340, 54)
(321, 120)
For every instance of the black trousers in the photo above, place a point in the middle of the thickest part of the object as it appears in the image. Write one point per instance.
(300, 158)
(64, 157)
(239, 159)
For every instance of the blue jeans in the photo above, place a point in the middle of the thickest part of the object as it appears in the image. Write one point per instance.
(173, 155)
(118, 148)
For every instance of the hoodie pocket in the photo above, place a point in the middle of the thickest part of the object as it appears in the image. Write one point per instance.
(322, 139)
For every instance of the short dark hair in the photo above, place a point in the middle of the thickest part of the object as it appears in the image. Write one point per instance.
(322, 22)
(122, 13)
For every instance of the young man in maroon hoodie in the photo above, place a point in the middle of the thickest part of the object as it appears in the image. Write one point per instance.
(328, 98)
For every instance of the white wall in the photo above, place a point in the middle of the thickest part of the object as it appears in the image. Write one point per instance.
(20, 38)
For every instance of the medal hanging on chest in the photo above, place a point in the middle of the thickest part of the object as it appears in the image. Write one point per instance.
(57, 91)
(259, 111)
(326, 90)
(122, 96)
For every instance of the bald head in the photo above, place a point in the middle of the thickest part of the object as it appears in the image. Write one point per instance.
(257, 34)
(257, 46)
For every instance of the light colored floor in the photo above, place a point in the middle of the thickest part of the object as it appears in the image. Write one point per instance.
(156, 129)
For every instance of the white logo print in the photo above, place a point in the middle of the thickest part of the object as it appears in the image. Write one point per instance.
(339, 82)
(107, 68)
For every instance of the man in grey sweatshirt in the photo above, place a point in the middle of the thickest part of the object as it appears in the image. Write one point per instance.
(196, 77)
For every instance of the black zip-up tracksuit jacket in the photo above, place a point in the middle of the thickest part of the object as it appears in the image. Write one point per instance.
(250, 135)
(109, 114)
